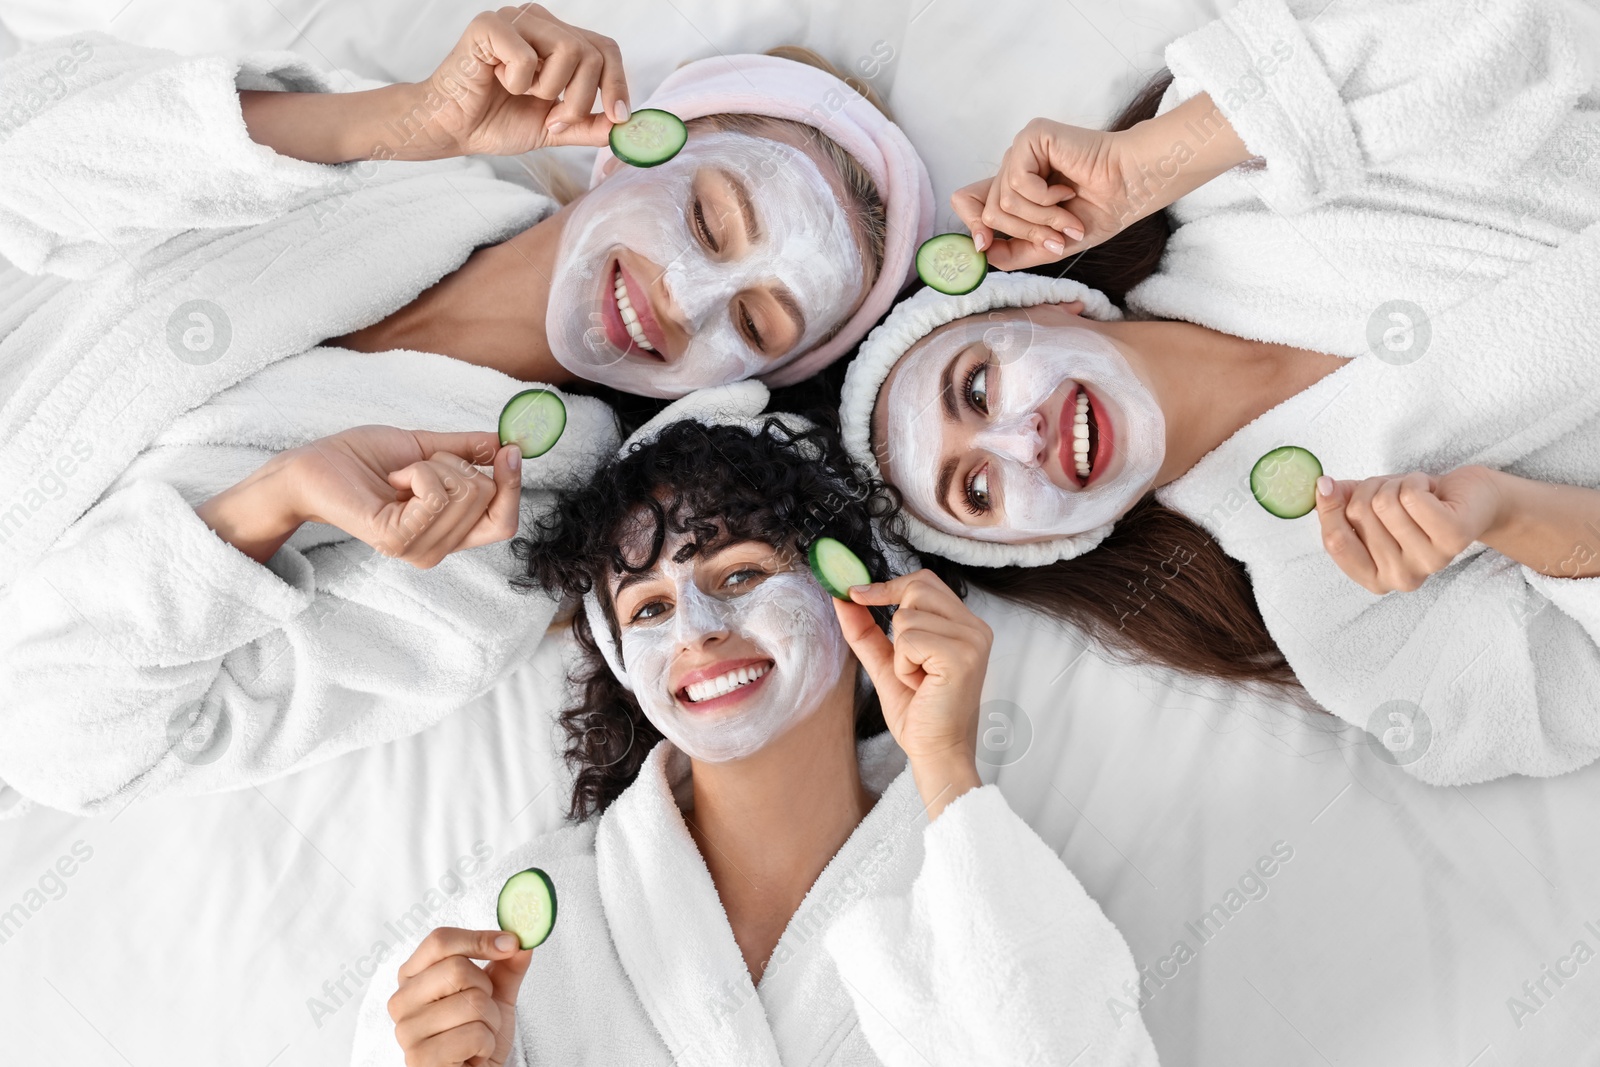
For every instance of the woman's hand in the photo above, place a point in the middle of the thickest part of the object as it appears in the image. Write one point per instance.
(1390, 533)
(448, 1010)
(410, 494)
(929, 679)
(521, 79)
(1062, 189)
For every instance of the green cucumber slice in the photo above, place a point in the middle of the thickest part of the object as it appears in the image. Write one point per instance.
(951, 263)
(533, 421)
(1284, 481)
(527, 906)
(836, 567)
(649, 138)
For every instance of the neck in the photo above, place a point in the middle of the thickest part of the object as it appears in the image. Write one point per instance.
(768, 824)
(490, 311)
(1212, 384)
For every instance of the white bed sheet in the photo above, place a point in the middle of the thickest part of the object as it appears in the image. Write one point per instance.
(203, 931)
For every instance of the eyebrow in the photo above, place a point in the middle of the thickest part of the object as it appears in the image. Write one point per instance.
(786, 300)
(752, 225)
(947, 396)
(947, 471)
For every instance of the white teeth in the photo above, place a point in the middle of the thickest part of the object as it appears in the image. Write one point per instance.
(1080, 434)
(726, 683)
(630, 317)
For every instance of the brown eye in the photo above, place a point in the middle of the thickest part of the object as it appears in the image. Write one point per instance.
(976, 498)
(648, 610)
(976, 388)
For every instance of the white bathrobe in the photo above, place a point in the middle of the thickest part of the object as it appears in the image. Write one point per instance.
(1447, 155)
(961, 941)
(138, 651)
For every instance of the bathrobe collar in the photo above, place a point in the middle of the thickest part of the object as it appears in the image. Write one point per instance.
(671, 932)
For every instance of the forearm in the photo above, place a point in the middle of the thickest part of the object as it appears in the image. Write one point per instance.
(255, 516)
(387, 123)
(1179, 151)
(1550, 527)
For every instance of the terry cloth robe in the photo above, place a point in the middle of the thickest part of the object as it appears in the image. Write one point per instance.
(171, 346)
(1425, 206)
(961, 941)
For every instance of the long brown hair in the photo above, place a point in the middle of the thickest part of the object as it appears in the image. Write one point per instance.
(1159, 588)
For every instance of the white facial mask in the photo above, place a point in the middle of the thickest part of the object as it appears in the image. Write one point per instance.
(805, 242)
(1030, 363)
(788, 618)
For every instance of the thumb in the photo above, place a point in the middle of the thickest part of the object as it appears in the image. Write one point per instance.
(1331, 495)
(871, 646)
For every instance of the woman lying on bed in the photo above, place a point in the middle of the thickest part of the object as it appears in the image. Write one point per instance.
(1406, 284)
(182, 518)
(758, 873)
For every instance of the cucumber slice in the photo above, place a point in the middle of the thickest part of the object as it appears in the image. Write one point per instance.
(951, 263)
(527, 906)
(1284, 481)
(649, 138)
(533, 421)
(836, 567)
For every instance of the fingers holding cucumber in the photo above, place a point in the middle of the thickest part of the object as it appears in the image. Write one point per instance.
(447, 1010)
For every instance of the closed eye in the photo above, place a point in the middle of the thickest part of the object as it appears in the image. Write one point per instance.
(702, 230)
(747, 326)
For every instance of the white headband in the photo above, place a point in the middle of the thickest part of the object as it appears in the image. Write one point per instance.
(910, 321)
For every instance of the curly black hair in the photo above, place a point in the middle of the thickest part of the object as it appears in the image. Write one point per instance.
(715, 484)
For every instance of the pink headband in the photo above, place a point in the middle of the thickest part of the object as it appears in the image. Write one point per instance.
(784, 89)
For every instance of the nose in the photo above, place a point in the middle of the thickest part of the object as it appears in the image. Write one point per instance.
(1019, 439)
(697, 618)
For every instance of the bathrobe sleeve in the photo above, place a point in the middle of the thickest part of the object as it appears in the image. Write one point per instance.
(144, 654)
(1329, 95)
(110, 148)
(998, 955)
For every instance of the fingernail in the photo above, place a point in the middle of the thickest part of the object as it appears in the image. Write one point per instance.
(622, 111)
(505, 943)
(555, 127)
(1055, 247)
(1073, 235)
(1324, 486)
(980, 240)
(514, 460)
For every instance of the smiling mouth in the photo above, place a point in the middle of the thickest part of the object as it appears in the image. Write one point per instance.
(1077, 444)
(630, 324)
(630, 318)
(734, 682)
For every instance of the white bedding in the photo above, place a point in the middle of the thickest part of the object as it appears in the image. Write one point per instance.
(202, 931)
(199, 931)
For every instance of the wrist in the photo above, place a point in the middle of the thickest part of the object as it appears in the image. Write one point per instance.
(943, 776)
(394, 122)
(1510, 507)
(1175, 153)
(258, 514)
